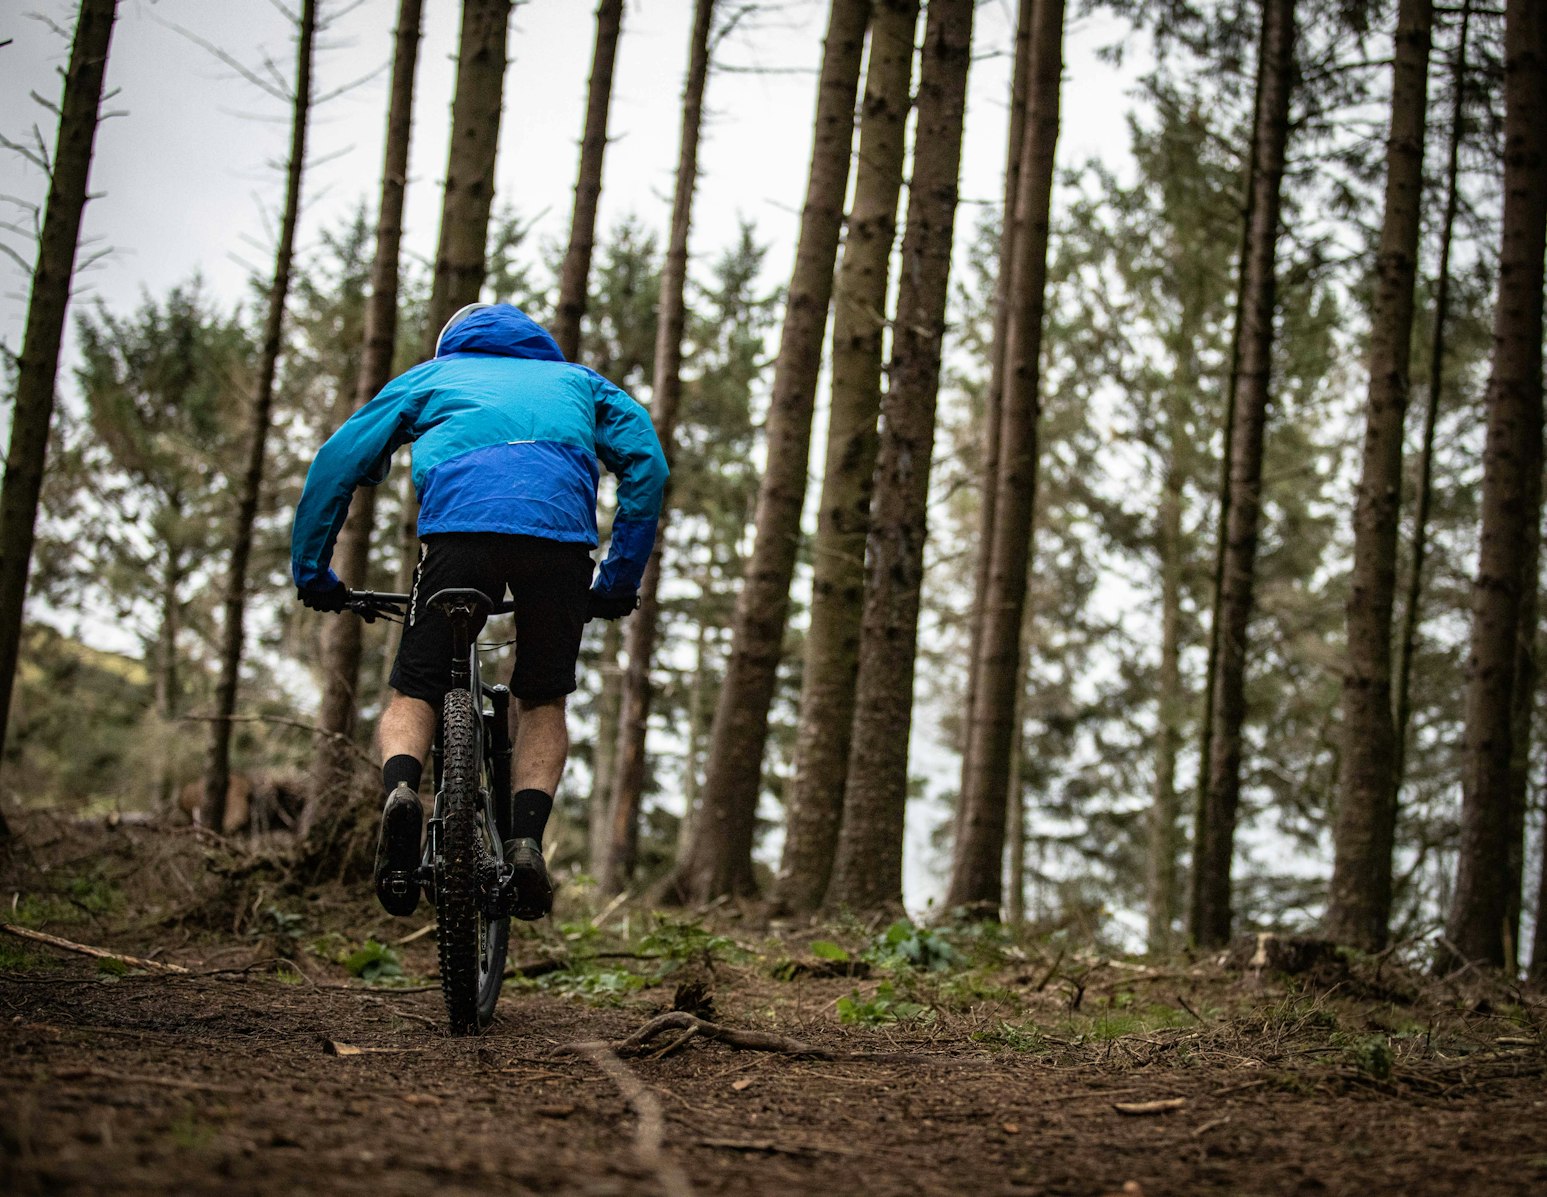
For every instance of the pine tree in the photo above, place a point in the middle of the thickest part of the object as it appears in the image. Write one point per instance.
(1359, 910)
(341, 638)
(576, 271)
(975, 870)
(628, 771)
(1210, 916)
(867, 874)
(1512, 465)
(217, 769)
(815, 802)
(38, 367)
(719, 857)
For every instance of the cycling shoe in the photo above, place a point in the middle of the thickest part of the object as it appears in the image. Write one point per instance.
(397, 852)
(528, 892)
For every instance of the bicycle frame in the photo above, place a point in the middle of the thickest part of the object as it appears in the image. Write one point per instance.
(493, 725)
(463, 865)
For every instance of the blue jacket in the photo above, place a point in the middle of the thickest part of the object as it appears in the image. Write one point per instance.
(506, 436)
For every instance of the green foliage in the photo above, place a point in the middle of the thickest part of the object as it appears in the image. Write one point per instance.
(16, 957)
(1370, 1054)
(62, 688)
(602, 986)
(826, 949)
(82, 897)
(1017, 1036)
(884, 1006)
(903, 944)
(374, 962)
(679, 942)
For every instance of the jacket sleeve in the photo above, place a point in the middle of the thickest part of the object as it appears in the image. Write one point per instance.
(359, 452)
(627, 445)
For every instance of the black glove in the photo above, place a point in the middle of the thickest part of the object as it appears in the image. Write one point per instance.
(325, 597)
(604, 604)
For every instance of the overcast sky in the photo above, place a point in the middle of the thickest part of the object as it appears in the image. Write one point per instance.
(188, 175)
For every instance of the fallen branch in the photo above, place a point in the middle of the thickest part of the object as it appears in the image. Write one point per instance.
(67, 945)
(651, 1128)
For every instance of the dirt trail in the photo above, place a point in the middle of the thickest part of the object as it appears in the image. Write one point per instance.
(168, 1084)
(1010, 1055)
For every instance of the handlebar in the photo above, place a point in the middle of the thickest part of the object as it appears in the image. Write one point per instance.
(375, 602)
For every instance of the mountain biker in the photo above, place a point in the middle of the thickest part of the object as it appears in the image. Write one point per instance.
(507, 435)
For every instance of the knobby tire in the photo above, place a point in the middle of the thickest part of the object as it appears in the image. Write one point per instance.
(457, 886)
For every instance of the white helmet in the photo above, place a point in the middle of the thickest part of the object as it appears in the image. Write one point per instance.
(460, 315)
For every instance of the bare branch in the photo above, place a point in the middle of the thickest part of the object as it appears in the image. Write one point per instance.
(7, 143)
(18, 259)
(245, 72)
(48, 22)
(345, 88)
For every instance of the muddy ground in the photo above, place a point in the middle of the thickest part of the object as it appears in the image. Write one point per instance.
(991, 1064)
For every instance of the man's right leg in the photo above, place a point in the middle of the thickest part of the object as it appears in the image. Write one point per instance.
(407, 727)
(404, 735)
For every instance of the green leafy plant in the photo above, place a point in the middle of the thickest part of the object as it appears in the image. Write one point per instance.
(373, 962)
(604, 986)
(886, 1005)
(915, 947)
(14, 958)
(680, 942)
(1018, 1037)
(826, 949)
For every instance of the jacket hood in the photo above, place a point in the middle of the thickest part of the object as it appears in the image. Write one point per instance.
(501, 329)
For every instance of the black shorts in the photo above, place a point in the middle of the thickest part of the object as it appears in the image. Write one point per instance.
(548, 579)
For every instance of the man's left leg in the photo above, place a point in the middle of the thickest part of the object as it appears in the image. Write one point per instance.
(539, 732)
(540, 735)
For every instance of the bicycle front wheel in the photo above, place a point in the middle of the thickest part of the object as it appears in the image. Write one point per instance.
(462, 931)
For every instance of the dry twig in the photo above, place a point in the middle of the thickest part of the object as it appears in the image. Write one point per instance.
(83, 949)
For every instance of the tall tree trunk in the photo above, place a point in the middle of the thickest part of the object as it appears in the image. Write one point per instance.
(341, 637)
(576, 271)
(1210, 916)
(1201, 798)
(719, 859)
(604, 749)
(1512, 464)
(1161, 890)
(1015, 807)
(462, 251)
(628, 779)
(868, 873)
(843, 521)
(168, 683)
(38, 367)
(693, 749)
(217, 767)
(975, 884)
(988, 467)
(1359, 906)
(1402, 702)
(1522, 711)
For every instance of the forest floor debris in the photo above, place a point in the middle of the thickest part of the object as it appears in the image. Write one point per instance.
(963, 1061)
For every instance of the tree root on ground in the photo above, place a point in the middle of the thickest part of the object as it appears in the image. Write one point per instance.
(691, 1026)
(650, 1132)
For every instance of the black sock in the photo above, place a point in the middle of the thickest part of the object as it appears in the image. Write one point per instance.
(401, 768)
(529, 814)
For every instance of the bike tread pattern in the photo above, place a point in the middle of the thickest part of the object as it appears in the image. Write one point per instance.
(456, 912)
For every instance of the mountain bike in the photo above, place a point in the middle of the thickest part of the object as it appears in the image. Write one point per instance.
(463, 870)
